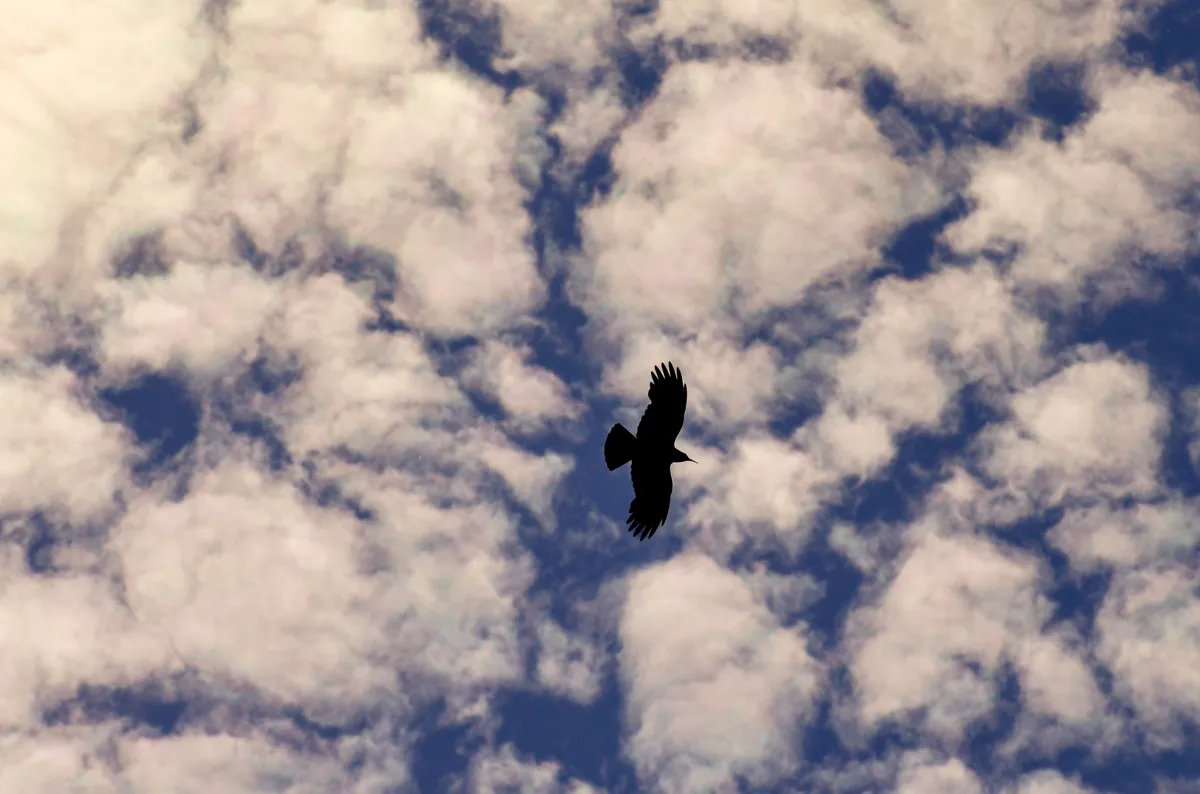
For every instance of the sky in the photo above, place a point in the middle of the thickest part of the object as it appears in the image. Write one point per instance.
(314, 316)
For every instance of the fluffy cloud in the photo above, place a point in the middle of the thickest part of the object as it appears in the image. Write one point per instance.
(1103, 536)
(568, 664)
(447, 204)
(155, 319)
(1049, 782)
(1078, 212)
(922, 342)
(532, 397)
(110, 76)
(959, 53)
(84, 635)
(951, 777)
(717, 687)
(1095, 427)
(503, 771)
(763, 489)
(1149, 636)
(337, 237)
(752, 203)
(933, 645)
(44, 410)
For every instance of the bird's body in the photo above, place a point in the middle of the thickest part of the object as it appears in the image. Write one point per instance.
(652, 451)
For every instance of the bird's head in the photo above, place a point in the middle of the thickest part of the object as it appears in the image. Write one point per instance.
(679, 457)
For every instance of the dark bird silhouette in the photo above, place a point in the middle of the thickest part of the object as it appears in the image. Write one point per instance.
(652, 451)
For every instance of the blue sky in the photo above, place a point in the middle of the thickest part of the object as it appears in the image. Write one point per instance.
(314, 316)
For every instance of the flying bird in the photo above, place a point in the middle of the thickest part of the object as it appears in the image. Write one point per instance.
(651, 451)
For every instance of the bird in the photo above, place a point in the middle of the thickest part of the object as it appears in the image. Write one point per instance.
(652, 451)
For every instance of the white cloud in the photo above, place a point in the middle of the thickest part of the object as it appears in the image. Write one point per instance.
(716, 686)
(249, 582)
(921, 342)
(1056, 681)
(758, 200)
(446, 204)
(99, 760)
(785, 594)
(277, 113)
(369, 392)
(1094, 428)
(324, 127)
(1049, 782)
(541, 36)
(530, 395)
(917, 776)
(62, 632)
(917, 347)
(568, 664)
(60, 760)
(501, 771)
(961, 611)
(1149, 636)
(854, 443)
(764, 489)
(200, 317)
(452, 577)
(1083, 209)
(193, 764)
(730, 386)
(1107, 536)
(56, 454)
(533, 479)
(92, 87)
(955, 601)
(962, 52)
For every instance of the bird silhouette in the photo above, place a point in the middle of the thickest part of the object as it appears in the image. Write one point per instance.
(652, 451)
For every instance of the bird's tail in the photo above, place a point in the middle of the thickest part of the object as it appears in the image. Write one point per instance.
(618, 447)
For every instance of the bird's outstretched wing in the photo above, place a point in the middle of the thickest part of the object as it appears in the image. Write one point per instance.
(651, 497)
(663, 418)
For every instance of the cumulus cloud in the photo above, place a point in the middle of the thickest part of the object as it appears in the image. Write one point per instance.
(447, 204)
(84, 635)
(934, 645)
(196, 763)
(1095, 427)
(1148, 629)
(919, 345)
(717, 687)
(330, 223)
(128, 71)
(46, 410)
(568, 664)
(155, 319)
(503, 771)
(984, 594)
(1080, 211)
(1049, 782)
(531, 396)
(950, 777)
(763, 489)
(1104, 536)
(959, 54)
(816, 184)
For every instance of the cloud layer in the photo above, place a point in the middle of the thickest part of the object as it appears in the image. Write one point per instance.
(312, 315)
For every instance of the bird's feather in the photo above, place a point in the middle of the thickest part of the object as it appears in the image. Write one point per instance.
(619, 447)
(663, 418)
(651, 497)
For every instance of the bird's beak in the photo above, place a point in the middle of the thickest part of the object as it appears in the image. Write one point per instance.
(691, 461)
